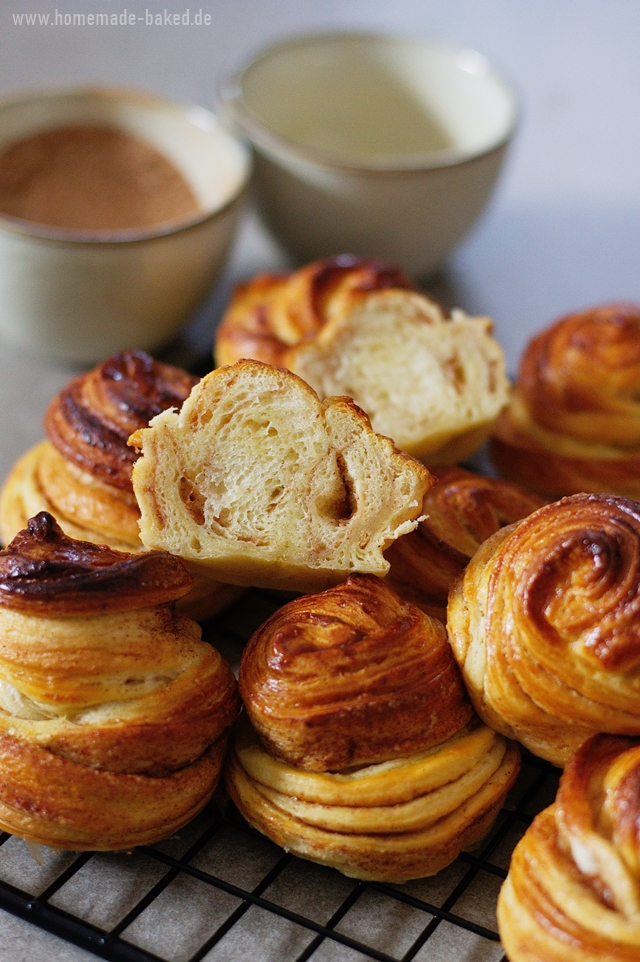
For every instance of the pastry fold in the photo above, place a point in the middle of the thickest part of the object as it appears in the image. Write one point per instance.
(573, 889)
(460, 512)
(358, 748)
(434, 383)
(114, 714)
(545, 625)
(574, 421)
(261, 483)
(392, 821)
(82, 473)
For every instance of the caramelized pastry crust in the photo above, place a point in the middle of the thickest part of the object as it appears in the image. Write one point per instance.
(545, 624)
(573, 889)
(433, 383)
(272, 312)
(90, 421)
(262, 484)
(114, 714)
(82, 474)
(460, 512)
(359, 748)
(351, 676)
(574, 422)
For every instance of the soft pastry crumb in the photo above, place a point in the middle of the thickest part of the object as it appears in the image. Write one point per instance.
(261, 482)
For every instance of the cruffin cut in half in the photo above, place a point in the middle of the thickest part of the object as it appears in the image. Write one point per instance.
(264, 484)
(434, 383)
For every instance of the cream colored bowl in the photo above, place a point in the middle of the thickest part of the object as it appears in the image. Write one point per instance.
(380, 146)
(80, 295)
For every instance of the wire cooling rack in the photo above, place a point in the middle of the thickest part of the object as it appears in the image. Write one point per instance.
(222, 892)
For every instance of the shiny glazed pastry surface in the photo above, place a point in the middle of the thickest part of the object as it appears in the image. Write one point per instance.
(573, 889)
(574, 422)
(433, 383)
(359, 748)
(461, 511)
(545, 624)
(261, 483)
(114, 714)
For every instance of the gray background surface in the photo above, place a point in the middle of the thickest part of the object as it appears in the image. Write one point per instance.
(562, 232)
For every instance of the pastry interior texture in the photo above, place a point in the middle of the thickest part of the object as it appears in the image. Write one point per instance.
(573, 889)
(82, 473)
(460, 512)
(545, 624)
(358, 747)
(434, 383)
(574, 421)
(114, 714)
(261, 482)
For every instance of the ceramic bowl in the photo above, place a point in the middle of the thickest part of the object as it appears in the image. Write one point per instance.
(80, 295)
(380, 146)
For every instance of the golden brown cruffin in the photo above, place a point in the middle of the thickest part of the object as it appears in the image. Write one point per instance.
(545, 625)
(434, 383)
(114, 714)
(573, 889)
(82, 473)
(460, 512)
(574, 420)
(359, 748)
(263, 484)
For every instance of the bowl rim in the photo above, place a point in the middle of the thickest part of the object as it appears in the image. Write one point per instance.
(194, 113)
(240, 117)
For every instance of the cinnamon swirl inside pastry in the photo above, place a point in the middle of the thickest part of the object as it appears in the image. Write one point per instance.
(432, 382)
(114, 714)
(359, 748)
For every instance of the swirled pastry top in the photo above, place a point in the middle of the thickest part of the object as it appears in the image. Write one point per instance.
(264, 484)
(43, 570)
(434, 383)
(545, 623)
(89, 421)
(460, 512)
(573, 889)
(351, 676)
(272, 312)
(574, 420)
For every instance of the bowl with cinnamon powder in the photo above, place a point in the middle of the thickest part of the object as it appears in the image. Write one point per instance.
(117, 209)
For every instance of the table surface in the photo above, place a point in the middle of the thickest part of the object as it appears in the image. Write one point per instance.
(562, 231)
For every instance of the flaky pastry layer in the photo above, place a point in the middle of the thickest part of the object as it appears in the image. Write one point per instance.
(460, 512)
(573, 889)
(574, 421)
(545, 624)
(392, 821)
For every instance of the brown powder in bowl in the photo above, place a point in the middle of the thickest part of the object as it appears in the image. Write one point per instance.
(92, 179)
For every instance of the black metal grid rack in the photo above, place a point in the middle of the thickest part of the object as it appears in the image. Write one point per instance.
(220, 891)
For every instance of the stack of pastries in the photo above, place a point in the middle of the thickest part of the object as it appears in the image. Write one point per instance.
(359, 748)
(114, 714)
